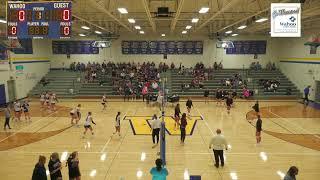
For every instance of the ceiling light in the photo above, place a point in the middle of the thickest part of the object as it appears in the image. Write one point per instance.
(131, 20)
(234, 34)
(85, 27)
(262, 20)
(228, 32)
(141, 32)
(82, 35)
(242, 27)
(98, 32)
(3, 21)
(195, 20)
(203, 10)
(188, 27)
(137, 27)
(163, 35)
(123, 10)
(184, 32)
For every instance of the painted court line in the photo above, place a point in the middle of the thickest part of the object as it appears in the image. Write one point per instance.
(184, 153)
(308, 132)
(20, 130)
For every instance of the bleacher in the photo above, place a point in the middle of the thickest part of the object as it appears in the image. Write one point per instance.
(62, 81)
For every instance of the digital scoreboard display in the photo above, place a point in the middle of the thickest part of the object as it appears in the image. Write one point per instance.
(39, 20)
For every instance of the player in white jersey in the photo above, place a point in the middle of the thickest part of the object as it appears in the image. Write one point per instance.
(17, 110)
(87, 124)
(53, 101)
(42, 99)
(75, 114)
(104, 102)
(47, 100)
(117, 124)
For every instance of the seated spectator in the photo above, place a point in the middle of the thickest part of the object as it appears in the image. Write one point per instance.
(220, 66)
(201, 85)
(253, 65)
(273, 67)
(269, 66)
(172, 66)
(122, 74)
(215, 66)
(245, 93)
(154, 85)
(44, 81)
(258, 66)
(93, 75)
(228, 82)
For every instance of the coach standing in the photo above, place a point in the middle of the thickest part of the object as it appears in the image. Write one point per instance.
(218, 143)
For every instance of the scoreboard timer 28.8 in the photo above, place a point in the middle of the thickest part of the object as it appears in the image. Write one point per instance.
(39, 20)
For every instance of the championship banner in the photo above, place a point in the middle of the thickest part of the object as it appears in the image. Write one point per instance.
(285, 20)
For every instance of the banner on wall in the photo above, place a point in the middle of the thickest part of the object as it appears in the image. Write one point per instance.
(19, 69)
(285, 20)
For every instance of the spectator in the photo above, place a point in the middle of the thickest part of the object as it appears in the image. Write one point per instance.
(172, 66)
(73, 166)
(55, 167)
(273, 67)
(159, 172)
(39, 171)
(245, 93)
(220, 66)
(291, 174)
(215, 66)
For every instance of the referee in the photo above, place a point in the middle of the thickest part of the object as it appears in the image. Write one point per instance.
(218, 143)
(155, 126)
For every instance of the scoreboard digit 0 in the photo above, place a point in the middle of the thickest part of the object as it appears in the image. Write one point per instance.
(39, 20)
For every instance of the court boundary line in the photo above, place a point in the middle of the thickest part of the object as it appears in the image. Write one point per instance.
(286, 119)
(30, 125)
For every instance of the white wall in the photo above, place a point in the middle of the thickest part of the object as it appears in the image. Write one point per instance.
(210, 53)
(34, 65)
(299, 68)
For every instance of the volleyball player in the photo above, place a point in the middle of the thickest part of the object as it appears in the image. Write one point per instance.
(177, 113)
(53, 101)
(206, 96)
(17, 110)
(189, 105)
(26, 109)
(75, 114)
(256, 107)
(229, 102)
(219, 96)
(258, 129)
(47, 100)
(103, 102)
(87, 124)
(42, 99)
(183, 125)
(117, 124)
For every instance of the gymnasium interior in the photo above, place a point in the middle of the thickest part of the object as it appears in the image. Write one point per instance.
(145, 57)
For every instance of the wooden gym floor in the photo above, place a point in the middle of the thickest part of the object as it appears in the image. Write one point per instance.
(291, 137)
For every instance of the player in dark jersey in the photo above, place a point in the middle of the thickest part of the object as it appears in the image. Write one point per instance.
(229, 102)
(206, 96)
(177, 113)
(189, 105)
(258, 129)
(219, 96)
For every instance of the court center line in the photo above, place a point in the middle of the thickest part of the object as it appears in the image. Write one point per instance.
(16, 132)
(136, 152)
(107, 143)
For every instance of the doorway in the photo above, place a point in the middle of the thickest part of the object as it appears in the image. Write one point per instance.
(11, 90)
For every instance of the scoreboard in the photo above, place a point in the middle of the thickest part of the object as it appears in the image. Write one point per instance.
(39, 20)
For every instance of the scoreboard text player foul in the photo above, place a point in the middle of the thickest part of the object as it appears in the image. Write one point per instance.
(39, 20)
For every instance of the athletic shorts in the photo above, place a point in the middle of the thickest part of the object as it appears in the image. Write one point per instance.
(189, 107)
(103, 103)
(258, 133)
(17, 111)
(26, 111)
(71, 114)
(87, 126)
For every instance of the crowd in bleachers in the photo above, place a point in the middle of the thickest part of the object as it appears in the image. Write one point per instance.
(269, 85)
(199, 73)
(256, 66)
